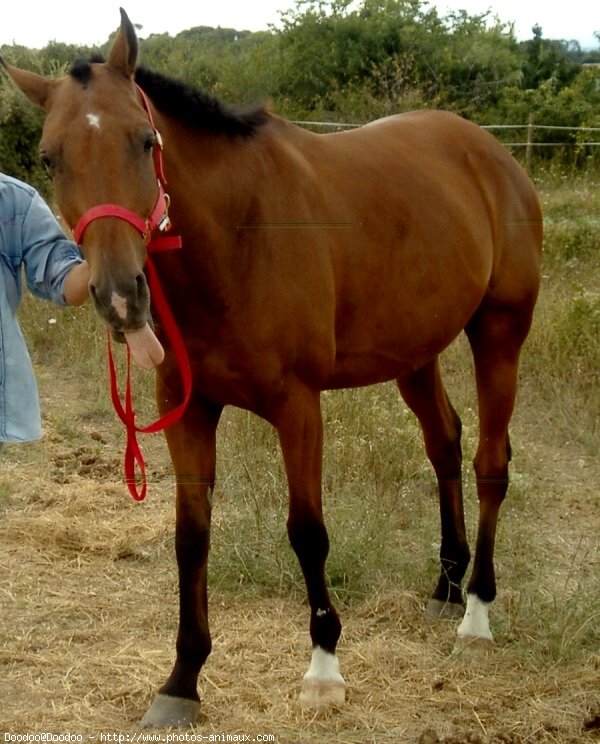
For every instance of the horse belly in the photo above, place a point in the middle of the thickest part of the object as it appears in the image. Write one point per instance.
(385, 361)
(394, 333)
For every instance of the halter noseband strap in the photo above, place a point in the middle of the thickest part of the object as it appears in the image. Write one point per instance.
(158, 219)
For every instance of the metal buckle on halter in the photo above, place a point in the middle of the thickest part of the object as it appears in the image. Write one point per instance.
(164, 223)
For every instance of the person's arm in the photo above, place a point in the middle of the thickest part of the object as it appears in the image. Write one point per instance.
(50, 258)
(75, 288)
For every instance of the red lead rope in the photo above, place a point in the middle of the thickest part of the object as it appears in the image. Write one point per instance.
(133, 453)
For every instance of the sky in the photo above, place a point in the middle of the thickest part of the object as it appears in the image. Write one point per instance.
(33, 24)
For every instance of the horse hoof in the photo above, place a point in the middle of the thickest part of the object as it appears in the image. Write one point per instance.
(318, 695)
(171, 712)
(473, 646)
(437, 609)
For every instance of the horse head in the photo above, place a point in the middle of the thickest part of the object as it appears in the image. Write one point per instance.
(100, 157)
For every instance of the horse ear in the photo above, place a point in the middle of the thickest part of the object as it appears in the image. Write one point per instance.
(124, 52)
(36, 87)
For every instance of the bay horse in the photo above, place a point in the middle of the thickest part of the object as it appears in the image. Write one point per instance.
(309, 262)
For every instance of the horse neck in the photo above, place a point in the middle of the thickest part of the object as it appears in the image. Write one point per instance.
(224, 190)
(211, 180)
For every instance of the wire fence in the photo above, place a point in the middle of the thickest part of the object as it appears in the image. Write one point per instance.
(528, 142)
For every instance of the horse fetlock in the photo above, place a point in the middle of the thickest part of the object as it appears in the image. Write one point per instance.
(448, 589)
(474, 638)
(325, 628)
(171, 712)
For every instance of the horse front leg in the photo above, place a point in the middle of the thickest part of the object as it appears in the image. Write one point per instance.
(192, 448)
(300, 428)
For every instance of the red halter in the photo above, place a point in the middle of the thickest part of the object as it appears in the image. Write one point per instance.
(159, 217)
(157, 221)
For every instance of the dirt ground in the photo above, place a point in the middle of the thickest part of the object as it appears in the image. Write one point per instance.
(89, 610)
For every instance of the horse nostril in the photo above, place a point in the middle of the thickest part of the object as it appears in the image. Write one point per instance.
(140, 285)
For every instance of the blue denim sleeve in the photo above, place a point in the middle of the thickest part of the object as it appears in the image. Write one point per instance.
(47, 254)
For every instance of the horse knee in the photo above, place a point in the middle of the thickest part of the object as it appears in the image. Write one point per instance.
(492, 458)
(492, 471)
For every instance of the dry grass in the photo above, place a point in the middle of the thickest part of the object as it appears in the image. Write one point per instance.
(88, 585)
(88, 592)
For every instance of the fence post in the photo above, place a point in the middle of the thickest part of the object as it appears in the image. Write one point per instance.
(529, 142)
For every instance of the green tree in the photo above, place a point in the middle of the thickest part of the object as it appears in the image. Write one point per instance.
(20, 125)
(347, 61)
(546, 59)
(394, 52)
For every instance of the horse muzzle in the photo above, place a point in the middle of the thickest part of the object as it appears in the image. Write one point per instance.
(124, 306)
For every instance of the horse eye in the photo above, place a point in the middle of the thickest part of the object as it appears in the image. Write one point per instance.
(149, 143)
(46, 161)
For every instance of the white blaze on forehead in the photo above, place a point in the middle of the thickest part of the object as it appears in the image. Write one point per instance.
(120, 305)
(93, 120)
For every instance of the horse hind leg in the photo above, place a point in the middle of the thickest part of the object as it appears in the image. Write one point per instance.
(424, 393)
(496, 335)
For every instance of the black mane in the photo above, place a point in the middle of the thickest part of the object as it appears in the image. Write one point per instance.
(196, 108)
(184, 102)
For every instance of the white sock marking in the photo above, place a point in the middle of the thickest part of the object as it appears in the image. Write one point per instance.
(324, 667)
(475, 623)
